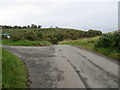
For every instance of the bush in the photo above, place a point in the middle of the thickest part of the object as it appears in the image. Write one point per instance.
(16, 37)
(32, 37)
(54, 40)
(48, 34)
(109, 41)
(40, 36)
(59, 36)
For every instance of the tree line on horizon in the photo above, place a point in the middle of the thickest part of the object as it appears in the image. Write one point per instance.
(20, 27)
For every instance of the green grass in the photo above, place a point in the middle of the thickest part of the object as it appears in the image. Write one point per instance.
(85, 42)
(52, 35)
(13, 71)
(0, 67)
(89, 43)
(25, 43)
(110, 52)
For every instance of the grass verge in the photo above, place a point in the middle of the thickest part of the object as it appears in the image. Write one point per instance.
(89, 43)
(25, 43)
(0, 67)
(14, 74)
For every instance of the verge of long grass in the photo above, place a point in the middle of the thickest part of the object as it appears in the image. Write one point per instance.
(0, 67)
(13, 71)
(25, 43)
(89, 43)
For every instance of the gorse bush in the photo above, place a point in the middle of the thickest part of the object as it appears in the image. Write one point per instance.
(54, 40)
(52, 35)
(109, 41)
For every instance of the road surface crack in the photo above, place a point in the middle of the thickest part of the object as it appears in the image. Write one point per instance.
(80, 76)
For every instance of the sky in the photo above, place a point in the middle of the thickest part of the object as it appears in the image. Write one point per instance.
(76, 14)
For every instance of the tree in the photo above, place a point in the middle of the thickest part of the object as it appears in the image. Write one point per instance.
(28, 26)
(39, 26)
(92, 33)
(33, 26)
(56, 27)
(15, 27)
(59, 36)
(24, 26)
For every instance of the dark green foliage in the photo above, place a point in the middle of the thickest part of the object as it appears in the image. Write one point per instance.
(52, 35)
(54, 40)
(92, 33)
(19, 27)
(39, 26)
(28, 26)
(32, 37)
(33, 26)
(24, 26)
(17, 36)
(109, 40)
(40, 35)
(59, 36)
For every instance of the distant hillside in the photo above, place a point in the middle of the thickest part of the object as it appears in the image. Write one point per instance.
(52, 35)
(114, 31)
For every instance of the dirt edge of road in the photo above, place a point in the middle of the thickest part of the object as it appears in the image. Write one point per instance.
(108, 58)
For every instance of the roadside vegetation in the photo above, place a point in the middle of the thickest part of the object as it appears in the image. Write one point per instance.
(0, 67)
(25, 43)
(13, 71)
(51, 35)
(107, 44)
(84, 42)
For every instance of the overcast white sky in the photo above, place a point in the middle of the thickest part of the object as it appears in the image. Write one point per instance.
(77, 14)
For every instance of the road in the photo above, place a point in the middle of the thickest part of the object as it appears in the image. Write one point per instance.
(65, 66)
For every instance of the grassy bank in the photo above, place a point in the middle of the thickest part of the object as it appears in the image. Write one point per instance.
(25, 43)
(85, 42)
(89, 43)
(13, 71)
(53, 35)
(0, 67)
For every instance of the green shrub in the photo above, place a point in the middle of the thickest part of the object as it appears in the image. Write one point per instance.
(109, 41)
(59, 37)
(40, 35)
(15, 37)
(54, 40)
(48, 34)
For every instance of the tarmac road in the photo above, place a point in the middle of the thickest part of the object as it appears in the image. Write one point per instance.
(65, 66)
